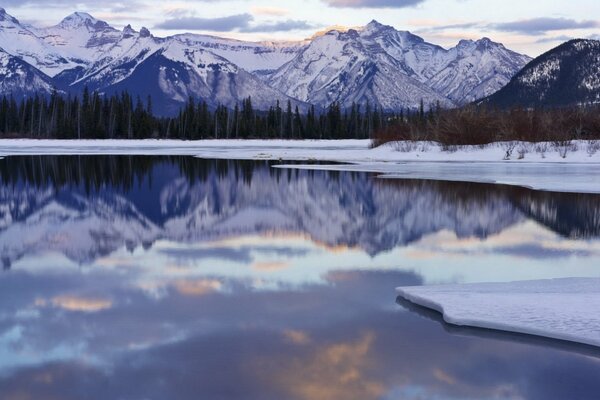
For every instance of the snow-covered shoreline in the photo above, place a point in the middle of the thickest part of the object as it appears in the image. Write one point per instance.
(564, 309)
(349, 150)
(536, 166)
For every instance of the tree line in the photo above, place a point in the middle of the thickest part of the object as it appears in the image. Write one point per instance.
(93, 116)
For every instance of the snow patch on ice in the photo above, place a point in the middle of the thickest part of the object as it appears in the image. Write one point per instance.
(564, 309)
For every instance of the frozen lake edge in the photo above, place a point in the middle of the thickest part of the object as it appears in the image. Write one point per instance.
(578, 171)
(563, 309)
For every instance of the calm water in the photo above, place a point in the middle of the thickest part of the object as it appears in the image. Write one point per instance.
(182, 278)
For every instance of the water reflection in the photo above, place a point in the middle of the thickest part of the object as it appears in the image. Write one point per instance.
(153, 278)
(88, 207)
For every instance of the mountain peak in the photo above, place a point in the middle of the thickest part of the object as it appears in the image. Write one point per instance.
(4, 16)
(79, 19)
(375, 26)
(144, 32)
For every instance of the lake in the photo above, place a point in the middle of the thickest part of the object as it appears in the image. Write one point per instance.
(134, 277)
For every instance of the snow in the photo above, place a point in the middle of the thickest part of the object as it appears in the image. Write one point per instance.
(339, 66)
(564, 309)
(579, 171)
(375, 64)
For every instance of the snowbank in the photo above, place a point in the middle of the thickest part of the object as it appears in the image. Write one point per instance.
(565, 309)
(357, 151)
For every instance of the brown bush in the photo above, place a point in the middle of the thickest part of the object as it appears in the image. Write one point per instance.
(479, 126)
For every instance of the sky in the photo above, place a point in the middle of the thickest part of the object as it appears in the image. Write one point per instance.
(527, 26)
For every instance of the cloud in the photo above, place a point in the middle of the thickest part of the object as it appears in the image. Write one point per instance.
(239, 22)
(373, 3)
(221, 24)
(538, 26)
(551, 39)
(112, 5)
(74, 303)
(270, 11)
(281, 26)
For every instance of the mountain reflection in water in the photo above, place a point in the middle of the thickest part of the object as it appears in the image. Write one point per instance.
(176, 277)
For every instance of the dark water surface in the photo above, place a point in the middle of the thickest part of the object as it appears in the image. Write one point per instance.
(182, 278)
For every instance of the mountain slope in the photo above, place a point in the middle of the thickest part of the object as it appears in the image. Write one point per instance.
(344, 66)
(21, 41)
(21, 79)
(255, 57)
(477, 69)
(375, 64)
(80, 38)
(566, 75)
(469, 71)
(340, 67)
(171, 72)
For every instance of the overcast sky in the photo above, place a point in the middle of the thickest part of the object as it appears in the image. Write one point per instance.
(528, 26)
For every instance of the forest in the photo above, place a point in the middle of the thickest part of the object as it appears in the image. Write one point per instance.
(93, 116)
(122, 117)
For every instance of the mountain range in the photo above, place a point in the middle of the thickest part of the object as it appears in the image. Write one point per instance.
(374, 64)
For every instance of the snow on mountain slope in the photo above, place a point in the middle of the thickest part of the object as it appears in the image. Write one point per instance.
(375, 64)
(171, 72)
(20, 41)
(120, 59)
(258, 57)
(566, 75)
(343, 65)
(340, 67)
(81, 38)
(20, 79)
(467, 72)
(477, 69)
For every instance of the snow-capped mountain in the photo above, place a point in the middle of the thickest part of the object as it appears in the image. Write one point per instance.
(81, 38)
(171, 71)
(566, 75)
(375, 64)
(467, 72)
(22, 41)
(256, 57)
(395, 69)
(20, 78)
(340, 67)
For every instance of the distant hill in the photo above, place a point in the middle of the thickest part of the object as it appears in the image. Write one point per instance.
(566, 75)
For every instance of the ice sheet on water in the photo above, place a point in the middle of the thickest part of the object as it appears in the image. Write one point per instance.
(565, 309)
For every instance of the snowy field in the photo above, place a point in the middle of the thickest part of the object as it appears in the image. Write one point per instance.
(565, 309)
(568, 168)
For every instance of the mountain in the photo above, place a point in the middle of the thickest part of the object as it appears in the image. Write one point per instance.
(375, 64)
(81, 38)
(469, 71)
(566, 75)
(22, 41)
(171, 71)
(21, 79)
(395, 69)
(256, 57)
(340, 67)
